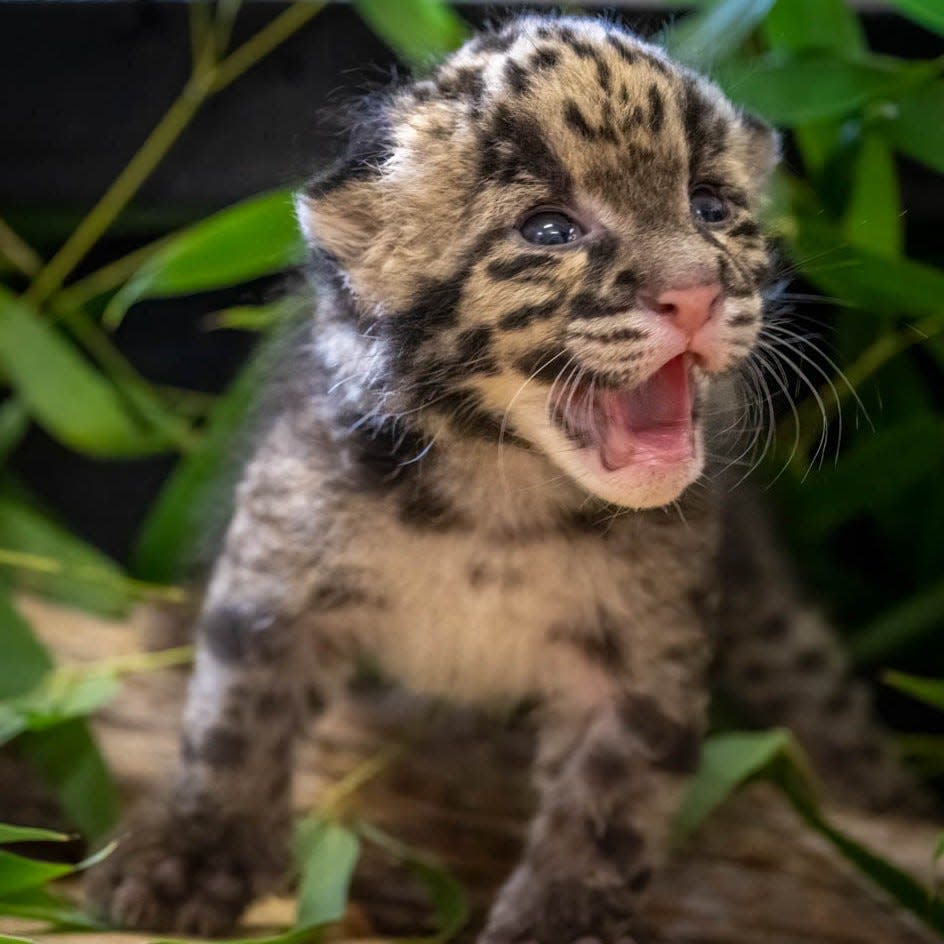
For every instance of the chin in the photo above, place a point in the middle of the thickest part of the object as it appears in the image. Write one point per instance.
(638, 447)
(647, 481)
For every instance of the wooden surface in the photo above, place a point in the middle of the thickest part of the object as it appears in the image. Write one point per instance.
(753, 873)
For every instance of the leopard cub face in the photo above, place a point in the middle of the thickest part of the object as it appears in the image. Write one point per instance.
(554, 238)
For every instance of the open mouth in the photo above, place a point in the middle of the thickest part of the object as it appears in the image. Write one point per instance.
(650, 424)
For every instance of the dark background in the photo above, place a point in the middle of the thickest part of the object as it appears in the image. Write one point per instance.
(86, 81)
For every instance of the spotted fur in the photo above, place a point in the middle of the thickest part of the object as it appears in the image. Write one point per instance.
(418, 496)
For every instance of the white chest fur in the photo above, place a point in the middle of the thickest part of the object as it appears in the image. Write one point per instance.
(469, 618)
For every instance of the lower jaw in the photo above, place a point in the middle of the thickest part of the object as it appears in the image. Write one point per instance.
(652, 479)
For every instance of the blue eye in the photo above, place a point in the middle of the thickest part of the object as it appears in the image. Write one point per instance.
(550, 228)
(708, 207)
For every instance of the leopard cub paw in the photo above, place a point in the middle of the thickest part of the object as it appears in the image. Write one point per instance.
(174, 875)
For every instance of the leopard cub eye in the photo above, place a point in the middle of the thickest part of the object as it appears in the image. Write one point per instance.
(550, 228)
(708, 207)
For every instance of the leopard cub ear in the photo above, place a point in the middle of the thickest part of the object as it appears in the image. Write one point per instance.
(761, 149)
(341, 213)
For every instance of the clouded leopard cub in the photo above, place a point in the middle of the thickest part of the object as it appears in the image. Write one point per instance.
(488, 472)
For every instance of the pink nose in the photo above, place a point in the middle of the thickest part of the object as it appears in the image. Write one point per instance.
(689, 308)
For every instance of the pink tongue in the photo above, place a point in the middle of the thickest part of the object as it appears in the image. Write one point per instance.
(652, 421)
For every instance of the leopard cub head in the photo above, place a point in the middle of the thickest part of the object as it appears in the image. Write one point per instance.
(554, 235)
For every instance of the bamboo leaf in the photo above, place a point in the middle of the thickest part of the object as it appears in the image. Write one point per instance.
(833, 495)
(253, 238)
(814, 24)
(66, 756)
(930, 691)
(257, 317)
(168, 533)
(715, 30)
(831, 25)
(87, 578)
(419, 31)
(889, 287)
(14, 421)
(873, 217)
(69, 761)
(914, 618)
(23, 881)
(929, 13)
(446, 895)
(295, 936)
(40, 905)
(728, 761)
(10, 834)
(62, 391)
(917, 125)
(59, 698)
(17, 873)
(327, 853)
(796, 88)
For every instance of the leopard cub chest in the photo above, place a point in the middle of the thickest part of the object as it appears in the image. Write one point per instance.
(472, 617)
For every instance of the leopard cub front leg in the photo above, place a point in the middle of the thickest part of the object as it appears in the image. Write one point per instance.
(191, 860)
(609, 778)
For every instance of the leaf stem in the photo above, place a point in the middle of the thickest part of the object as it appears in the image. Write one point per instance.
(104, 279)
(39, 563)
(138, 392)
(333, 803)
(122, 189)
(203, 83)
(259, 46)
(17, 251)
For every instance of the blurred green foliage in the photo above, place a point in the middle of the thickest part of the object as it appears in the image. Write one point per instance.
(843, 481)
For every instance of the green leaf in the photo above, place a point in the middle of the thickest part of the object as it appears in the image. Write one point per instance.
(17, 873)
(169, 531)
(14, 421)
(873, 217)
(10, 834)
(6, 939)
(66, 756)
(832, 25)
(295, 936)
(727, 762)
(418, 31)
(87, 578)
(246, 241)
(716, 30)
(793, 89)
(938, 850)
(62, 696)
(62, 392)
(21, 877)
(889, 287)
(327, 853)
(930, 691)
(446, 895)
(25, 660)
(814, 24)
(917, 617)
(40, 905)
(70, 763)
(833, 495)
(929, 13)
(257, 317)
(917, 126)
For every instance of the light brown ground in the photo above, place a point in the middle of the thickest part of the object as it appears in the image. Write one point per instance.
(753, 874)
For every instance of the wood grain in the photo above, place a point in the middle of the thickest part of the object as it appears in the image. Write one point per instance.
(753, 875)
